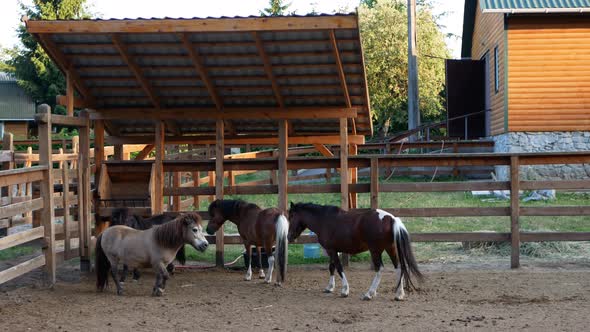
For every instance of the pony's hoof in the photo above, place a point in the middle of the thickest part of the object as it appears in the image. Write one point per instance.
(135, 280)
(261, 276)
(278, 284)
(248, 278)
(158, 292)
(399, 298)
(120, 292)
(328, 291)
(344, 294)
(367, 297)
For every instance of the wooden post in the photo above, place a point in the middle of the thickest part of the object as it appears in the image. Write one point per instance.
(7, 144)
(176, 199)
(219, 148)
(273, 173)
(158, 199)
(211, 174)
(69, 93)
(119, 152)
(66, 206)
(46, 186)
(374, 183)
(84, 194)
(196, 179)
(455, 168)
(344, 179)
(75, 150)
(353, 177)
(99, 158)
(29, 188)
(514, 212)
(283, 175)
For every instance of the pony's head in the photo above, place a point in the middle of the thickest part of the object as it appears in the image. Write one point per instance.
(185, 229)
(193, 231)
(221, 210)
(297, 218)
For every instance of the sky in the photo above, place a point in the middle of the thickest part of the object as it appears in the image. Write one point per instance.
(10, 13)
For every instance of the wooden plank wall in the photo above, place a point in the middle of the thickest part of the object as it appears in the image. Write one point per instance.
(488, 33)
(549, 78)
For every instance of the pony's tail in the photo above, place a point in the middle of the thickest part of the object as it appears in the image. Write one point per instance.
(281, 251)
(407, 261)
(102, 265)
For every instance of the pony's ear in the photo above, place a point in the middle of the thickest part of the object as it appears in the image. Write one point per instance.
(291, 206)
(188, 219)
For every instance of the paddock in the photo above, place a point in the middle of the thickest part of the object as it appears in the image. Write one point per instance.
(552, 296)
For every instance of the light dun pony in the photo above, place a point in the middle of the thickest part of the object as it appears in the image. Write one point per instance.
(258, 228)
(155, 247)
(354, 232)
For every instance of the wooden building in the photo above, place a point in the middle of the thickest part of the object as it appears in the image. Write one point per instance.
(17, 108)
(534, 59)
(216, 81)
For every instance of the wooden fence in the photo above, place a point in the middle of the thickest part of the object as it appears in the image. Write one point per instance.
(375, 162)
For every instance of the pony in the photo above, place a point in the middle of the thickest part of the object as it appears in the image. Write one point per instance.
(355, 232)
(257, 227)
(155, 247)
(121, 217)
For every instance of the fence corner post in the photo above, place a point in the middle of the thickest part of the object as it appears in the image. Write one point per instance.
(514, 212)
(43, 118)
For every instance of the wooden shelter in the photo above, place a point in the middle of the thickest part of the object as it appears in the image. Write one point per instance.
(242, 80)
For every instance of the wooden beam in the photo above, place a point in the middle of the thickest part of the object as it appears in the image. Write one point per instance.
(342, 76)
(78, 102)
(270, 113)
(203, 140)
(283, 174)
(374, 183)
(145, 152)
(353, 177)
(22, 268)
(84, 194)
(158, 176)
(323, 150)
(193, 25)
(65, 65)
(69, 93)
(219, 177)
(112, 128)
(136, 70)
(197, 62)
(99, 155)
(268, 69)
(514, 212)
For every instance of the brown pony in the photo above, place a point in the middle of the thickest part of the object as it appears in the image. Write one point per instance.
(257, 227)
(355, 232)
(155, 247)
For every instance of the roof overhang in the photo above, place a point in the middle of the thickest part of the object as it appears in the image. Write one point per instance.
(191, 72)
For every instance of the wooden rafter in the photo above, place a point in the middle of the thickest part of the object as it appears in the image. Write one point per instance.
(341, 75)
(196, 25)
(145, 85)
(269, 113)
(112, 128)
(268, 69)
(201, 70)
(323, 150)
(66, 66)
(145, 152)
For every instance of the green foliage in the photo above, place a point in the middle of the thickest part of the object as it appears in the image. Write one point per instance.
(34, 70)
(275, 8)
(384, 31)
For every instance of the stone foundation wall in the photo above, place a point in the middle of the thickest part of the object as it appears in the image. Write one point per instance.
(544, 142)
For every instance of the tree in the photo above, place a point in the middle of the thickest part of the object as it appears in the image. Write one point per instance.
(29, 63)
(276, 8)
(384, 33)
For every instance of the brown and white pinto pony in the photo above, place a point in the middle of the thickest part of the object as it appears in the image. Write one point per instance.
(355, 232)
(155, 247)
(258, 228)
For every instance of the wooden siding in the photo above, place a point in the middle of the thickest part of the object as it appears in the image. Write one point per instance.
(17, 129)
(488, 33)
(549, 79)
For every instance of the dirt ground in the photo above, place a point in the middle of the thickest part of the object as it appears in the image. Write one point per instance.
(454, 297)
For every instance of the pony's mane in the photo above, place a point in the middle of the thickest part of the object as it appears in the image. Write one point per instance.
(171, 235)
(119, 216)
(317, 209)
(230, 207)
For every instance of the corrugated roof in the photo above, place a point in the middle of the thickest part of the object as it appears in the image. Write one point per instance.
(15, 104)
(533, 4)
(514, 7)
(299, 50)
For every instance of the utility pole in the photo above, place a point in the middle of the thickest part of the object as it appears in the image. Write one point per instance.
(413, 109)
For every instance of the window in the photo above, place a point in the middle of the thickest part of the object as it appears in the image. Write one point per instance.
(496, 70)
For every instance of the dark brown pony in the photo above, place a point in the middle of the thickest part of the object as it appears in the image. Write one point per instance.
(257, 227)
(122, 217)
(355, 232)
(155, 247)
